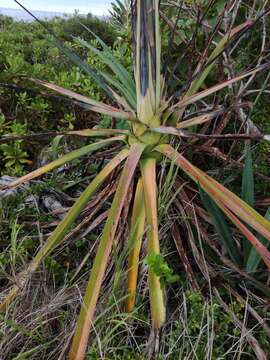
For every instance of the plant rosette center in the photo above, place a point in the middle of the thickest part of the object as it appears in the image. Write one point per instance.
(143, 134)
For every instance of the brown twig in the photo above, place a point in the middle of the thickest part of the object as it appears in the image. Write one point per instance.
(182, 254)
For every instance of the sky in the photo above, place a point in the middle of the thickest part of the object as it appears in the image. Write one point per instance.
(97, 7)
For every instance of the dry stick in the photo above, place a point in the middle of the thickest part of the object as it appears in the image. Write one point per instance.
(98, 220)
(226, 119)
(96, 204)
(173, 27)
(250, 338)
(189, 44)
(253, 342)
(173, 32)
(196, 254)
(245, 119)
(252, 311)
(214, 151)
(263, 201)
(121, 226)
(257, 137)
(189, 135)
(105, 153)
(251, 127)
(119, 238)
(203, 61)
(104, 194)
(4, 139)
(202, 68)
(182, 253)
(261, 56)
(187, 205)
(45, 135)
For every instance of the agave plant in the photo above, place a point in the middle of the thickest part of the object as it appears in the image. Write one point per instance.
(153, 119)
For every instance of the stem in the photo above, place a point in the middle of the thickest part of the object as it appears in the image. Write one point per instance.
(80, 339)
(136, 234)
(148, 168)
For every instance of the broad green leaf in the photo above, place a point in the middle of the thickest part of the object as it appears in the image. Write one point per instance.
(221, 227)
(131, 99)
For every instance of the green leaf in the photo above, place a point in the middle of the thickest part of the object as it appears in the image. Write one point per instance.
(161, 268)
(199, 80)
(70, 53)
(130, 97)
(248, 180)
(221, 226)
(93, 105)
(115, 65)
(63, 160)
(222, 195)
(147, 66)
(254, 258)
(248, 193)
(108, 59)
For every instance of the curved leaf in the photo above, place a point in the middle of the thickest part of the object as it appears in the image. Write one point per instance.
(257, 245)
(120, 72)
(219, 193)
(93, 105)
(63, 160)
(202, 94)
(197, 83)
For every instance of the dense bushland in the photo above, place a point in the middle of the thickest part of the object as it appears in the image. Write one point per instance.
(27, 50)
